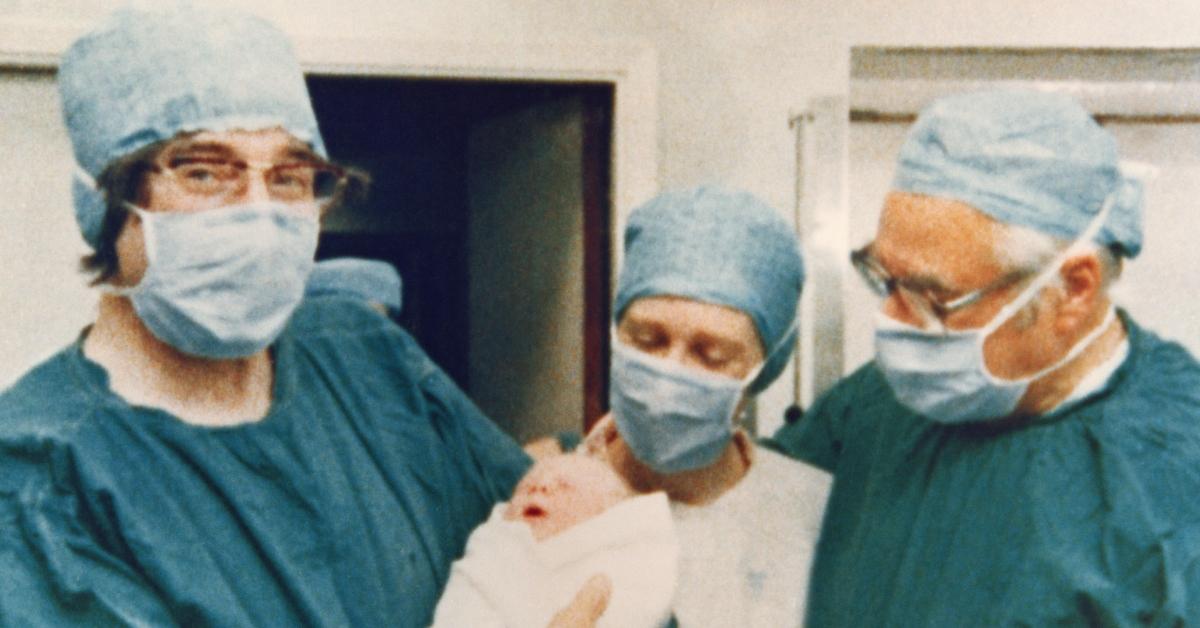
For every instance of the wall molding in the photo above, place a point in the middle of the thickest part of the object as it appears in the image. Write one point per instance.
(902, 99)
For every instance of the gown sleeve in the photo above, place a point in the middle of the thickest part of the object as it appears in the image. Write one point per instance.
(493, 460)
(55, 566)
(489, 459)
(817, 438)
(843, 415)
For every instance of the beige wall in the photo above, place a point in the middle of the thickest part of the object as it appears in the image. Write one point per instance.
(729, 71)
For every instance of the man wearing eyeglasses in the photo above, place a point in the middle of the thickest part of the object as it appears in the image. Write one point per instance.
(211, 451)
(1020, 452)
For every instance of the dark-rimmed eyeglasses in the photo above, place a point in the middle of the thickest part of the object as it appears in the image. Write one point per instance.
(929, 307)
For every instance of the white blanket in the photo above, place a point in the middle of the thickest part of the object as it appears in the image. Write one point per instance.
(508, 579)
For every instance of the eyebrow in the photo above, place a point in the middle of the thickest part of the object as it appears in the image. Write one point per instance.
(294, 150)
(301, 152)
(926, 283)
(917, 281)
(720, 343)
(198, 147)
(632, 325)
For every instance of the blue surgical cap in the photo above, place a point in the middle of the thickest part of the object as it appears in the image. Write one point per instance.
(145, 75)
(1028, 158)
(366, 279)
(717, 246)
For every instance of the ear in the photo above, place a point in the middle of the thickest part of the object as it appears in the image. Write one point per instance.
(125, 245)
(1082, 278)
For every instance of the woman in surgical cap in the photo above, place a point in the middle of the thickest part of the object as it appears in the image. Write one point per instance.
(213, 451)
(704, 319)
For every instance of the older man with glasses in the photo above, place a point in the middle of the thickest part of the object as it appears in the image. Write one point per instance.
(211, 451)
(1020, 451)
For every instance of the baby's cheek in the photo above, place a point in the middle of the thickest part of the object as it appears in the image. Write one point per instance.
(512, 511)
(549, 524)
(587, 505)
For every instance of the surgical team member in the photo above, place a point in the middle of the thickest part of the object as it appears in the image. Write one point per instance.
(206, 453)
(1020, 452)
(705, 318)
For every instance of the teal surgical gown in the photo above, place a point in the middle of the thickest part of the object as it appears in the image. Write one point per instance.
(1089, 516)
(344, 506)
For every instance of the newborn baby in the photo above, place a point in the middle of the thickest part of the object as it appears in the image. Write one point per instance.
(571, 517)
(561, 491)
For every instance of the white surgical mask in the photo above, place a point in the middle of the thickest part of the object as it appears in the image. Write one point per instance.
(222, 283)
(674, 418)
(943, 375)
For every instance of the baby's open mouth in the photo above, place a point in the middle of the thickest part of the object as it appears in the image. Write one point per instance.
(533, 512)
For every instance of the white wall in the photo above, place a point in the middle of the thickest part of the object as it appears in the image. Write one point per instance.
(43, 300)
(1159, 287)
(729, 71)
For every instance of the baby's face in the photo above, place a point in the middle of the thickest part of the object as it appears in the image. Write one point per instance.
(561, 491)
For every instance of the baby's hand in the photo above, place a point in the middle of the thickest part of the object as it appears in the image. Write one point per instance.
(595, 442)
(587, 607)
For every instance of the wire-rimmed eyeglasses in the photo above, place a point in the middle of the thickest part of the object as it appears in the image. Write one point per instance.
(221, 178)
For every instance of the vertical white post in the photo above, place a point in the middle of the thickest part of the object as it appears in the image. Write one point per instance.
(823, 220)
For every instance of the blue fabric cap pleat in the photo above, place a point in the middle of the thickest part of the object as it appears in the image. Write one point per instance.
(145, 75)
(717, 246)
(366, 279)
(1028, 158)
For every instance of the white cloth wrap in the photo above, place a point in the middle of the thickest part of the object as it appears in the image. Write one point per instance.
(506, 578)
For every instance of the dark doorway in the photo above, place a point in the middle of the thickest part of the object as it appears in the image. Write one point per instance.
(492, 201)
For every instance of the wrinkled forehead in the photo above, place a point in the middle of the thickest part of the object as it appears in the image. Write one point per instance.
(935, 240)
(240, 144)
(1034, 159)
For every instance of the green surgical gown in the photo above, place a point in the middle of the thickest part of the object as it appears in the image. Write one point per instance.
(1089, 516)
(344, 506)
